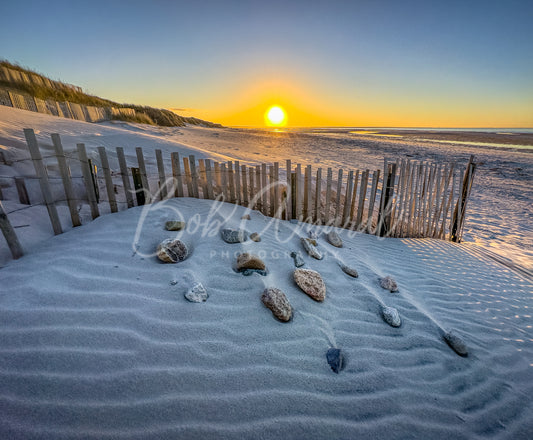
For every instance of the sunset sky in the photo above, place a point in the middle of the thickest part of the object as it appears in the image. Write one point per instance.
(327, 63)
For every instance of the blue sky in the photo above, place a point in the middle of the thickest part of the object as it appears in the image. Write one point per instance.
(404, 63)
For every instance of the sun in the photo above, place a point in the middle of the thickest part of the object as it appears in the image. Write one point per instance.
(275, 116)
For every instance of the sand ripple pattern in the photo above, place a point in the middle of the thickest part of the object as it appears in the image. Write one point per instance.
(96, 344)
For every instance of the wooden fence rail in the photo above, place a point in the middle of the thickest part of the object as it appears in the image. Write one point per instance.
(405, 199)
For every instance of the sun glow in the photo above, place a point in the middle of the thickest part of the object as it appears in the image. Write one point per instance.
(275, 116)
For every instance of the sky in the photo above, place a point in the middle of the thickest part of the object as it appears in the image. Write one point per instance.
(361, 63)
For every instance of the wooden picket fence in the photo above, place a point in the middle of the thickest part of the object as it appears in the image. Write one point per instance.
(405, 199)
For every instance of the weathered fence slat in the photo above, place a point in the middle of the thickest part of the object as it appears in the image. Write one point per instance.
(271, 185)
(64, 170)
(318, 196)
(87, 179)
(259, 203)
(203, 178)
(264, 190)
(140, 194)
(209, 177)
(108, 180)
(188, 179)
(22, 191)
(347, 200)
(298, 202)
(238, 194)
(328, 196)
(244, 185)
(372, 200)
(354, 195)
(362, 196)
(161, 173)
(194, 176)
(125, 176)
(42, 174)
(338, 201)
(9, 234)
(289, 195)
(176, 174)
(144, 176)
(224, 182)
(231, 180)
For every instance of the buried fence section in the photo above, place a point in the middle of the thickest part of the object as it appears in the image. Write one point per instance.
(409, 199)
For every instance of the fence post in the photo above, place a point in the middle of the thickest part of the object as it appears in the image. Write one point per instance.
(372, 200)
(289, 196)
(40, 170)
(209, 177)
(194, 176)
(64, 170)
(176, 173)
(161, 172)
(108, 179)
(277, 206)
(329, 179)
(22, 191)
(384, 222)
(347, 200)
(138, 186)
(89, 187)
(460, 209)
(144, 176)
(9, 234)
(125, 176)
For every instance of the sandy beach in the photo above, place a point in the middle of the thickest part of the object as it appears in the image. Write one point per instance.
(97, 340)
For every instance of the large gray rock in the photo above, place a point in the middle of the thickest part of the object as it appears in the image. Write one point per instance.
(234, 235)
(311, 283)
(334, 239)
(172, 251)
(456, 343)
(388, 283)
(249, 261)
(310, 247)
(391, 316)
(278, 303)
(335, 359)
(298, 259)
(197, 293)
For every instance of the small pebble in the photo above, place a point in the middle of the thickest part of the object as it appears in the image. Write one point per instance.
(246, 217)
(310, 246)
(391, 316)
(334, 239)
(173, 282)
(335, 359)
(174, 225)
(197, 293)
(298, 259)
(456, 343)
(388, 283)
(254, 236)
(233, 235)
(349, 270)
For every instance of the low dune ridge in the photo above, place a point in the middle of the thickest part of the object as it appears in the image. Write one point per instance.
(97, 340)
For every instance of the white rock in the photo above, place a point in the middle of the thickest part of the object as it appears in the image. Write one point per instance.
(197, 293)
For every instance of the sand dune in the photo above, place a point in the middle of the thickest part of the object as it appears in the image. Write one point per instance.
(98, 341)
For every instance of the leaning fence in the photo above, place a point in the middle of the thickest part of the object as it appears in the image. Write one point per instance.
(406, 199)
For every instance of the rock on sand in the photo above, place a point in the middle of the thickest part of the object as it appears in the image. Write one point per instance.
(310, 246)
(391, 316)
(456, 343)
(278, 303)
(311, 283)
(249, 261)
(234, 235)
(197, 293)
(388, 283)
(335, 359)
(334, 239)
(172, 251)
